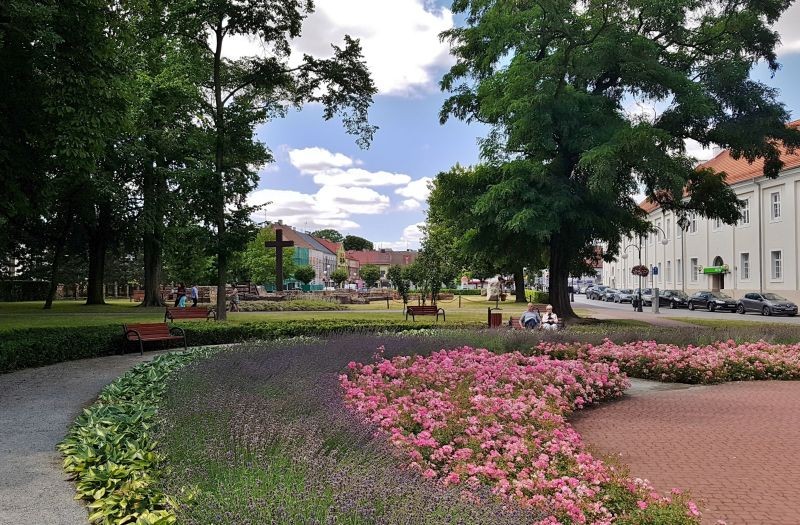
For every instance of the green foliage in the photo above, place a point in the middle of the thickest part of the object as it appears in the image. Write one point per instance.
(398, 276)
(11, 291)
(564, 154)
(438, 260)
(300, 305)
(305, 274)
(339, 275)
(353, 242)
(535, 296)
(370, 274)
(329, 234)
(260, 261)
(110, 449)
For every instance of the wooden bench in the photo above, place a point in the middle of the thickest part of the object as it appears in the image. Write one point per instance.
(513, 323)
(424, 310)
(137, 296)
(142, 332)
(190, 312)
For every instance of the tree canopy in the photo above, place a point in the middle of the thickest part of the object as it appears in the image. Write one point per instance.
(370, 273)
(305, 274)
(558, 82)
(329, 234)
(353, 242)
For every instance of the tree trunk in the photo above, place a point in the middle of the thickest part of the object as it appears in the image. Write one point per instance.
(58, 257)
(219, 166)
(154, 190)
(559, 279)
(98, 245)
(519, 286)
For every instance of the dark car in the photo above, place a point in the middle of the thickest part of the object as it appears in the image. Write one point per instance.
(712, 301)
(673, 299)
(595, 291)
(766, 304)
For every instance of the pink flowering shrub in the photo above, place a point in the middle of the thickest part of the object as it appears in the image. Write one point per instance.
(473, 418)
(713, 363)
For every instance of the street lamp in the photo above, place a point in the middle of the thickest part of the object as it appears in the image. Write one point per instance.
(638, 248)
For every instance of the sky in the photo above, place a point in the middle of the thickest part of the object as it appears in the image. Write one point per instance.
(322, 179)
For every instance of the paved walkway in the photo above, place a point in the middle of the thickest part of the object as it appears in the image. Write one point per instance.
(734, 446)
(36, 407)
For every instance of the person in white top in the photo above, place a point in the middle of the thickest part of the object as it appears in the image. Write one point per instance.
(549, 319)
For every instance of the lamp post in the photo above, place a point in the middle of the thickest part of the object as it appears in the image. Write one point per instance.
(638, 248)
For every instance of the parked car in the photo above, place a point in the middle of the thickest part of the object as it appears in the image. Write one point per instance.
(647, 296)
(608, 294)
(673, 299)
(624, 295)
(595, 292)
(766, 304)
(584, 288)
(712, 301)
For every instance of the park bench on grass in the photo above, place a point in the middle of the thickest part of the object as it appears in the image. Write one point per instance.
(424, 310)
(513, 323)
(190, 312)
(142, 332)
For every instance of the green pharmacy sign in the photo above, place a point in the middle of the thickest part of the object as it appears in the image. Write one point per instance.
(715, 270)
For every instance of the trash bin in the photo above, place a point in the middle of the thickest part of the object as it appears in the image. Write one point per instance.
(495, 319)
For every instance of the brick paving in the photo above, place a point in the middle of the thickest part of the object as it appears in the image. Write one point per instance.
(735, 447)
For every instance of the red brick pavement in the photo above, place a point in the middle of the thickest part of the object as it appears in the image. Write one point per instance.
(735, 447)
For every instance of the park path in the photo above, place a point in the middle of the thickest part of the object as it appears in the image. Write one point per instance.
(733, 446)
(37, 405)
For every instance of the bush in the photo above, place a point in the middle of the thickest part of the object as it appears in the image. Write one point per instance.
(538, 297)
(300, 305)
(44, 346)
(12, 291)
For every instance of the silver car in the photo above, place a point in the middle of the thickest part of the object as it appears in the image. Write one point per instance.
(623, 296)
(766, 304)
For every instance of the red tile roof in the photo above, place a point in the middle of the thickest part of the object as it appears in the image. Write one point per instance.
(332, 246)
(739, 170)
(369, 257)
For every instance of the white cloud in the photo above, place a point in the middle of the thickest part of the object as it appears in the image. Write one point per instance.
(789, 28)
(360, 177)
(410, 239)
(417, 189)
(399, 39)
(330, 207)
(312, 160)
(410, 204)
(696, 150)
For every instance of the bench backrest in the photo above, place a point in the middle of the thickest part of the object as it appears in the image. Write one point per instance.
(147, 330)
(422, 309)
(188, 313)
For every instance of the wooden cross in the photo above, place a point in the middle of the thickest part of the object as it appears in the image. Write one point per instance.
(279, 244)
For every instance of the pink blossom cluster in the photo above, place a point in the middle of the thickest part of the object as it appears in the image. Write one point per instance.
(473, 418)
(712, 363)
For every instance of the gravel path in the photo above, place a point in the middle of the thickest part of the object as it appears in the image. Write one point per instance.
(36, 407)
(733, 446)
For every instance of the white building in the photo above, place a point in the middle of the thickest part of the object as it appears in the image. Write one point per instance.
(759, 254)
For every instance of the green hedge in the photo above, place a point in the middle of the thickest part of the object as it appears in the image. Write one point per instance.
(538, 297)
(299, 305)
(43, 346)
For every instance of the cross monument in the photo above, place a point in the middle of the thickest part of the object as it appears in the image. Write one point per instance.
(279, 244)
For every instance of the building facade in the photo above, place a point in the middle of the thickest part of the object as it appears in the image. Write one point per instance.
(758, 254)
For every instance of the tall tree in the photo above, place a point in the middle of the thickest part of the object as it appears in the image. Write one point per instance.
(248, 91)
(553, 80)
(354, 242)
(370, 273)
(260, 260)
(329, 234)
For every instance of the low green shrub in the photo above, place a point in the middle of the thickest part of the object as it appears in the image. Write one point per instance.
(538, 297)
(32, 347)
(456, 291)
(110, 450)
(300, 305)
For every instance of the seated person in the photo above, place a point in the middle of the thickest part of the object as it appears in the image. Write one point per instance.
(531, 318)
(550, 320)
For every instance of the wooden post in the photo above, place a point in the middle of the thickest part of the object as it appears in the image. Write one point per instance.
(279, 244)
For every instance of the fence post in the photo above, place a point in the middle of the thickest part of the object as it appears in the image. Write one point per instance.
(459, 301)
(387, 302)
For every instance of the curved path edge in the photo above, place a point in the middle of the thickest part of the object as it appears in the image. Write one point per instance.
(37, 406)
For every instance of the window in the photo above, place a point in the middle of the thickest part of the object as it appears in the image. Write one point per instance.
(695, 269)
(693, 224)
(776, 265)
(775, 208)
(744, 266)
(745, 209)
(668, 274)
(658, 231)
(679, 267)
(669, 229)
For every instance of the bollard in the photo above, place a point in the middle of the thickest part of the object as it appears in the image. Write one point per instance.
(459, 301)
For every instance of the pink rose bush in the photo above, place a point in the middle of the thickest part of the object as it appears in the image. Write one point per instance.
(712, 363)
(469, 418)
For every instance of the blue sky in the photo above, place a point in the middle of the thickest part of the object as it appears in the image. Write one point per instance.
(322, 179)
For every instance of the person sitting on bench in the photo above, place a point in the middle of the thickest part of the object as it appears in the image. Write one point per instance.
(531, 318)
(550, 320)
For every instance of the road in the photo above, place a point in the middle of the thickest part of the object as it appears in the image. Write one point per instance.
(582, 302)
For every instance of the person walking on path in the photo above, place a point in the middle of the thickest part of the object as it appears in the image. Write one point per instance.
(180, 293)
(194, 295)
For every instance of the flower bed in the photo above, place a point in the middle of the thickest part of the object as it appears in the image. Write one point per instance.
(713, 363)
(474, 418)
